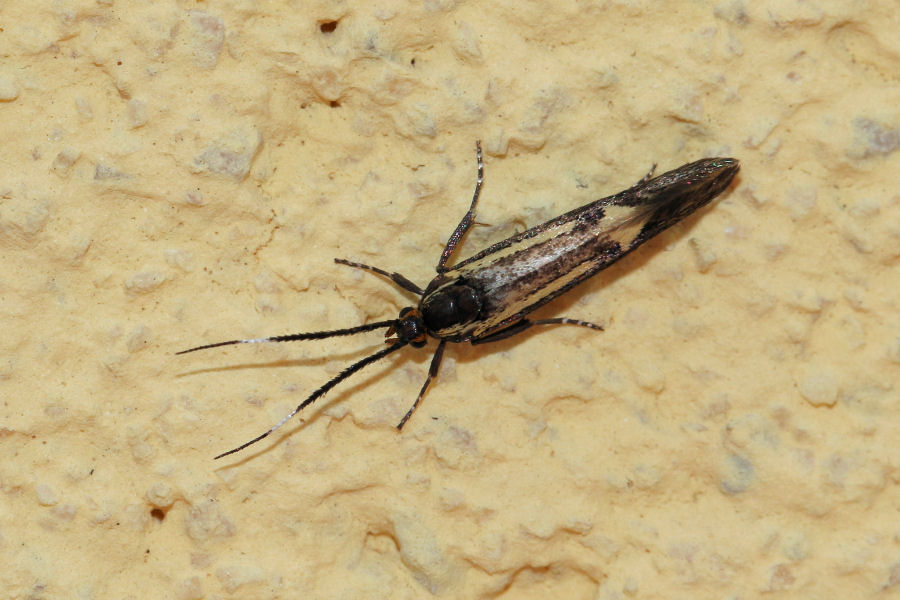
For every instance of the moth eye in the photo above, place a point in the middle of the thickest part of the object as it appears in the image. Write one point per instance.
(411, 329)
(450, 307)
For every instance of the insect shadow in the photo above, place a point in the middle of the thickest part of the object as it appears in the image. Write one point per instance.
(485, 298)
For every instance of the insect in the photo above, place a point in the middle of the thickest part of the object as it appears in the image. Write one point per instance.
(485, 298)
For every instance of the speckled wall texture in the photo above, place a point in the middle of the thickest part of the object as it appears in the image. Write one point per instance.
(178, 173)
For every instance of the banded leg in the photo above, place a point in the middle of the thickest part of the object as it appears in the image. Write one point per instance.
(397, 278)
(520, 326)
(467, 219)
(432, 373)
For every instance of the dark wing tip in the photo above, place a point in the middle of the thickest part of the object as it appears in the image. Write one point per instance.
(713, 175)
(727, 167)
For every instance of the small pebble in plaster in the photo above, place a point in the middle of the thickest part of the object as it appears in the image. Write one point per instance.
(45, 495)
(64, 161)
(795, 545)
(136, 113)
(873, 138)
(138, 339)
(160, 495)
(190, 589)
(230, 156)
(819, 387)
(179, 259)
(207, 521)
(704, 257)
(780, 578)
(144, 282)
(465, 44)
(83, 108)
(9, 91)
(893, 351)
(234, 576)
(194, 198)
(801, 201)
(650, 377)
(733, 11)
(105, 172)
(737, 474)
(205, 37)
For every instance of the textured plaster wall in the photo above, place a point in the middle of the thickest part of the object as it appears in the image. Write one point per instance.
(176, 173)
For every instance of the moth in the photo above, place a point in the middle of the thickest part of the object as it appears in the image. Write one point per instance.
(486, 298)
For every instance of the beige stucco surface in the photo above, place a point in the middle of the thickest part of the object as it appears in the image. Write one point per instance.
(177, 173)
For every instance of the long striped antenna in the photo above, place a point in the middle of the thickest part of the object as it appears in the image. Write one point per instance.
(314, 335)
(321, 392)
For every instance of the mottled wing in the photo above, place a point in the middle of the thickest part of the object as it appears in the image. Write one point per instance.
(521, 273)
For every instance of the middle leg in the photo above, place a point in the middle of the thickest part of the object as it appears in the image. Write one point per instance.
(432, 373)
(467, 219)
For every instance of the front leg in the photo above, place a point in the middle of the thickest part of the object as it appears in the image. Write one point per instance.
(397, 278)
(432, 373)
(467, 220)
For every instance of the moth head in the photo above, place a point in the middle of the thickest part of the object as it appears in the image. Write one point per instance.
(448, 308)
(408, 328)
